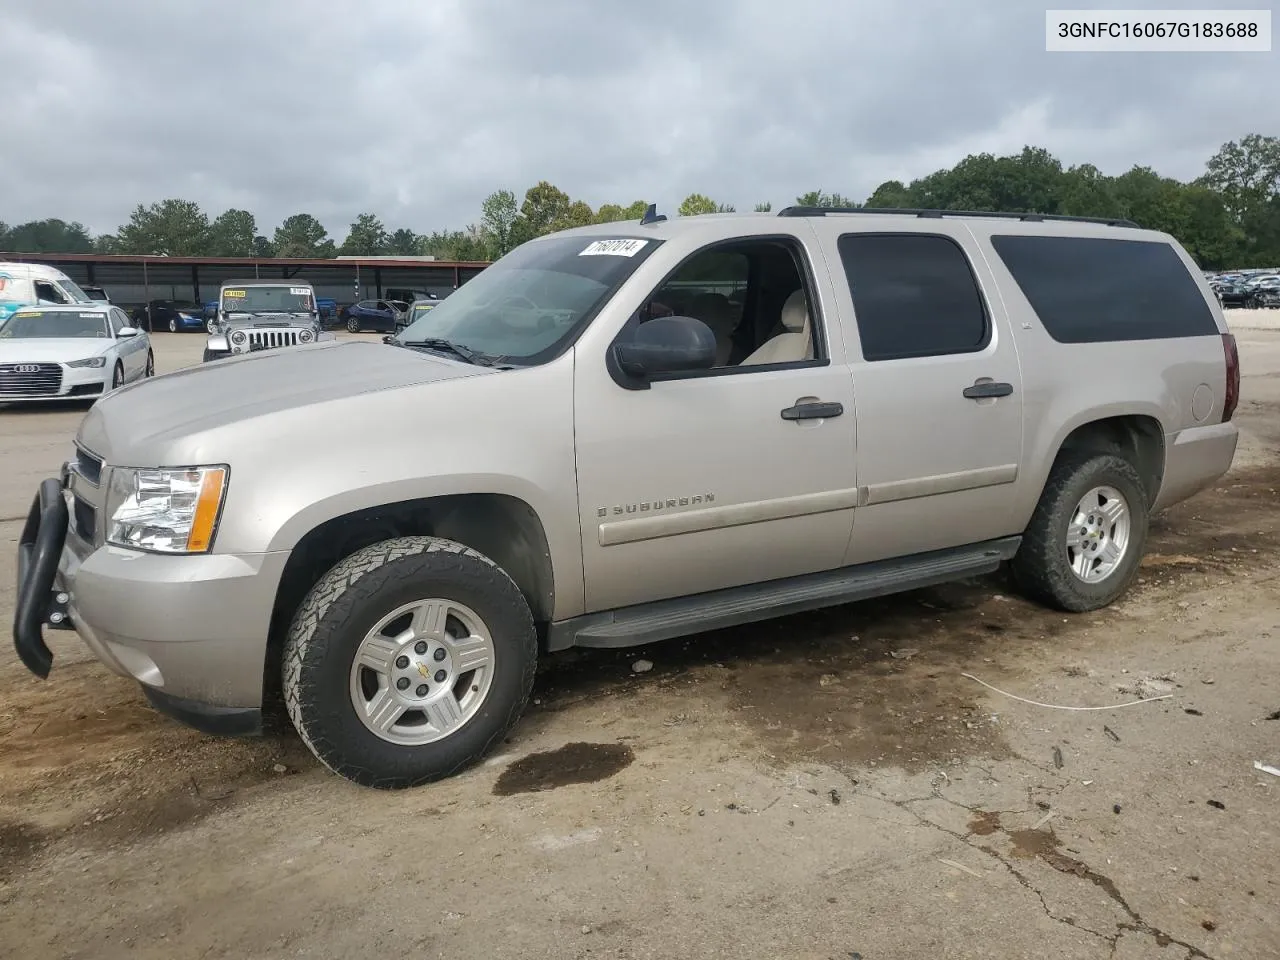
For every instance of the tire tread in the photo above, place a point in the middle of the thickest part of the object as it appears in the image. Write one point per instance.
(346, 583)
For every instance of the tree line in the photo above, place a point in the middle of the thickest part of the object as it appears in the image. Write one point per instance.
(1227, 217)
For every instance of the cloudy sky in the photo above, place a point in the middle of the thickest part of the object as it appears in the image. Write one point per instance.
(416, 109)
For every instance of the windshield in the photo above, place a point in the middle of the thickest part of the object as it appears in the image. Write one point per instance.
(69, 286)
(524, 306)
(282, 299)
(51, 325)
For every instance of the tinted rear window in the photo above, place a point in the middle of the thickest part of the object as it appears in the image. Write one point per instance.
(1088, 289)
(914, 295)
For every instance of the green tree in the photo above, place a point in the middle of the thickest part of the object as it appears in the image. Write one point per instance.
(471, 244)
(1086, 192)
(817, 198)
(232, 234)
(262, 247)
(577, 214)
(302, 236)
(892, 195)
(404, 243)
(498, 214)
(697, 204)
(765, 207)
(46, 236)
(366, 238)
(544, 205)
(1247, 173)
(175, 228)
(613, 213)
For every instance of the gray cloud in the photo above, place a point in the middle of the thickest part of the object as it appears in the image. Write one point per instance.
(415, 111)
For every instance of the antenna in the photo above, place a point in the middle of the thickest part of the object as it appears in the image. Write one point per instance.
(651, 215)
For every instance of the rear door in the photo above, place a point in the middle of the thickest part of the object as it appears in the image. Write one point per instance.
(937, 384)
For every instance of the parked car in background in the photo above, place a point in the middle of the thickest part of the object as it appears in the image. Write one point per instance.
(256, 315)
(176, 316)
(71, 352)
(1232, 295)
(407, 294)
(416, 309)
(376, 315)
(34, 284)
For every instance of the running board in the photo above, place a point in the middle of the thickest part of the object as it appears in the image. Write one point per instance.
(664, 619)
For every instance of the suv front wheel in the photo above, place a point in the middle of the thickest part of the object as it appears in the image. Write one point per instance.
(1087, 536)
(407, 661)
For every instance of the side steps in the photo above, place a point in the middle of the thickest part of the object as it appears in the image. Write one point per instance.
(664, 619)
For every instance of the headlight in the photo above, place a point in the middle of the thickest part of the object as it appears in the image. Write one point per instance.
(238, 337)
(89, 362)
(165, 511)
(306, 336)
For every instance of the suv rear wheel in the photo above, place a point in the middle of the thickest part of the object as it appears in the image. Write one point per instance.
(407, 661)
(1087, 536)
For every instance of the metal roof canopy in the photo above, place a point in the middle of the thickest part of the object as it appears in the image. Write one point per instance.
(138, 278)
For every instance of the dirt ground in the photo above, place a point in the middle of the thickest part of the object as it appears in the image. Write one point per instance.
(832, 785)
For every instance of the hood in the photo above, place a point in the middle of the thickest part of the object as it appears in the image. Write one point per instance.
(60, 350)
(134, 425)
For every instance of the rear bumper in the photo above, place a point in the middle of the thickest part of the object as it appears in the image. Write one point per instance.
(1194, 459)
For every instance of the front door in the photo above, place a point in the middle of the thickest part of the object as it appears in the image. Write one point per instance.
(727, 476)
(132, 350)
(939, 390)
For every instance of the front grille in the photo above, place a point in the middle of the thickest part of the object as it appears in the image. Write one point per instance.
(86, 520)
(30, 379)
(270, 339)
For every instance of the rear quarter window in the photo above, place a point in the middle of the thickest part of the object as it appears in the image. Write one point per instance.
(1092, 289)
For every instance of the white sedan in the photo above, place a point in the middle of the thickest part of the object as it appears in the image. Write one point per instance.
(71, 352)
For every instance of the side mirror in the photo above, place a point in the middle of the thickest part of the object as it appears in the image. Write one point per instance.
(127, 332)
(667, 345)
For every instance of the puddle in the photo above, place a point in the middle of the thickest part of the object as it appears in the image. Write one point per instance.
(984, 824)
(572, 763)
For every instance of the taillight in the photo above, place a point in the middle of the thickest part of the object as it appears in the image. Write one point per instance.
(1233, 377)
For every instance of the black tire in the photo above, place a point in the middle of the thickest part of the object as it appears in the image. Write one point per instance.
(173, 324)
(150, 369)
(213, 355)
(117, 376)
(347, 602)
(353, 325)
(1041, 569)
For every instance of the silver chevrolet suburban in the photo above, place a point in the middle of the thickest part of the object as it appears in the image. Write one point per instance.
(624, 433)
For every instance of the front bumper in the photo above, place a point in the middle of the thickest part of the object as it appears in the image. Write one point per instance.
(77, 383)
(191, 629)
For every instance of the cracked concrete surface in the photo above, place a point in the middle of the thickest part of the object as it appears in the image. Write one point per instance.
(791, 789)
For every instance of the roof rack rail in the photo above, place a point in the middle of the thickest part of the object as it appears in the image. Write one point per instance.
(938, 214)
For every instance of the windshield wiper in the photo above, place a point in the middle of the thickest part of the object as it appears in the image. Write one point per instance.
(460, 351)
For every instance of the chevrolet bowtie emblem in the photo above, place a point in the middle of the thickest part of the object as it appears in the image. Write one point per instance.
(422, 669)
